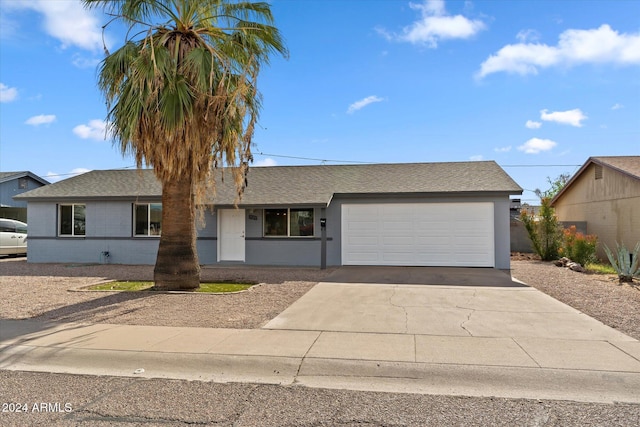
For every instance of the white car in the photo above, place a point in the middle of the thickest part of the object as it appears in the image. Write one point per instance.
(13, 237)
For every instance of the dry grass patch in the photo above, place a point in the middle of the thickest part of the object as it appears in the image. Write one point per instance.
(138, 286)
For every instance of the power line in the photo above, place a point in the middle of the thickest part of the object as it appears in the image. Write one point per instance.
(363, 162)
(312, 159)
(80, 173)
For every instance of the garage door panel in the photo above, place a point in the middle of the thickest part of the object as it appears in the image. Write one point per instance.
(362, 226)
(363, 257)
(435, 241)
(392, 227)
(398, 240)
(429, 234)
(363, 240)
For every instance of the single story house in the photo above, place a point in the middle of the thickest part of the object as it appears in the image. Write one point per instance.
(605, 193)
(418, 214)
(13, 184)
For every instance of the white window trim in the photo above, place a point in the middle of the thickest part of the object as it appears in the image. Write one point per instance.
(73, 216)
(145, 236)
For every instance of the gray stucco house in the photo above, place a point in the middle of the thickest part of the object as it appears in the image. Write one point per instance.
(417, 214)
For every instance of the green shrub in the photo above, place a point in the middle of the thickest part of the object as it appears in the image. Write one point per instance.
(544, 231)
(579, 247)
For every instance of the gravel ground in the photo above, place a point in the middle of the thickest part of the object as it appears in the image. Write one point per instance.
(42, 291)
(599, 296)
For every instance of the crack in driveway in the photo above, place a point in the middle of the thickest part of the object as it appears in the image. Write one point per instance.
(473, 310)
(404, 309)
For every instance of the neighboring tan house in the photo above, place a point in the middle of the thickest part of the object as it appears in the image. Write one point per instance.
(417, 214)
(605, 193)
(13, 184)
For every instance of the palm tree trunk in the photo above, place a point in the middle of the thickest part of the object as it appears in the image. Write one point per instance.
(177, 266)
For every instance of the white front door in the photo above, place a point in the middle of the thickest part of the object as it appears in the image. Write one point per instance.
(231, 234)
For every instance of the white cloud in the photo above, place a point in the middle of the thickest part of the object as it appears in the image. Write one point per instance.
(537, 145)
(528, 36)
(358, 105)
(570, 117)
(617, 106)
(42, 119)
(595, 46)
(95, 129)
(502, 149)
(533, 125)
(67, 21)
(8, 94)
(266, 162)
(81, 61)
(79, 171)
(476, 158)
(55, 177)
(435, 25)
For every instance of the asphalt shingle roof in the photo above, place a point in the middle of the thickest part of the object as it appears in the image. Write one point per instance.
(8, 176)
(299, 185)
(628, 165)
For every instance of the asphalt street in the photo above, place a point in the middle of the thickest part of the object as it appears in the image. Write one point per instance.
(117, 401)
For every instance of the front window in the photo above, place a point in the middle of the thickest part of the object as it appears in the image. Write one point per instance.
(147, 219)
(288, 222)
(72, 220)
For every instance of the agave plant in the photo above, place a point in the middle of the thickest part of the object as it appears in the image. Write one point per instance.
(625, 263)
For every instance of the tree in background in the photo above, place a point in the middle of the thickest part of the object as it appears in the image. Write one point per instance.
(183, 99)
(556, 185)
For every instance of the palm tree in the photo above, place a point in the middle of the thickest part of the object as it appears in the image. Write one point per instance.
(182, 98)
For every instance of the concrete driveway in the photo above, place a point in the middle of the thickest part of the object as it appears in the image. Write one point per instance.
(423, 276)
(458, 302)
(489, 336)
(469, 329)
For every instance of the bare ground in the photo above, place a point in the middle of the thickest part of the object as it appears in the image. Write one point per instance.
(46, 292)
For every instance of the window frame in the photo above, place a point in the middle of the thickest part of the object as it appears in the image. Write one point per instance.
(73, 220)
(148, 221)
(288, 221)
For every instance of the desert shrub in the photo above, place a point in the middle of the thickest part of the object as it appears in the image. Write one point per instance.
(625, 262)
(579, 247)
(544, 230)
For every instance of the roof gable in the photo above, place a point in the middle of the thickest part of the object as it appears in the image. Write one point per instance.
(627, 165)
(10, 176)
(298, 185)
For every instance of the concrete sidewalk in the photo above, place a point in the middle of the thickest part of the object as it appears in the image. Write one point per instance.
(476, 341)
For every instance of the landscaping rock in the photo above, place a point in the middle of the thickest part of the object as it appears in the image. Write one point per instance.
(575, 267)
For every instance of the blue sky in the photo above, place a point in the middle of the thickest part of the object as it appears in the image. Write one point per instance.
(537, 86)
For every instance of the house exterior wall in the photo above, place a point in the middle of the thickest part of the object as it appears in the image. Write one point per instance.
(610, 206)
(109, 228)
(285, 251)
(12, 188)
(502, 240)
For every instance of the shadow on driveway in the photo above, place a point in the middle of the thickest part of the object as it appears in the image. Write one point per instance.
(442, 276)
